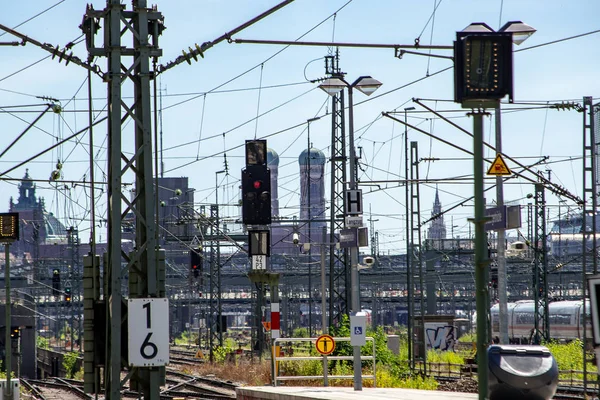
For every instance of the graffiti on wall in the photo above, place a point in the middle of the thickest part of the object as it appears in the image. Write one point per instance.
(440, 337)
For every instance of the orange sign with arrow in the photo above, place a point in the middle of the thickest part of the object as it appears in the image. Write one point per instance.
(267, 325)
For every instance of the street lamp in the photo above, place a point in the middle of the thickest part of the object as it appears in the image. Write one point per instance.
(368, 86)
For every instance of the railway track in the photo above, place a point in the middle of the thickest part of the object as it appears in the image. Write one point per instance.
(178, 385)
(55, 388)
(184, 357)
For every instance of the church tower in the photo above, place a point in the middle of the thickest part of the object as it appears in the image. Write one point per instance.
(312, 193)
(437, 230)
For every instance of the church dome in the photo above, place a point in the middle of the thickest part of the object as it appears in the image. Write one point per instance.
(312, 155)
(272, 158)
(53, 226)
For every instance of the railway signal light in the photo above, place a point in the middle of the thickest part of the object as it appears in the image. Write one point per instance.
(14, 332)
(196, 261)
(68, 296)
(494, 277)
(256, 195)
(56, 281)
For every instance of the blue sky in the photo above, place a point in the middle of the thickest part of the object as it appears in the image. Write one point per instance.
(198, 128)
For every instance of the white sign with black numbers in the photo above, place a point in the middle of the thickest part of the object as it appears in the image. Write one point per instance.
(148, 323)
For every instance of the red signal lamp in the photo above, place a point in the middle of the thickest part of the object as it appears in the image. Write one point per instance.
(257, 184)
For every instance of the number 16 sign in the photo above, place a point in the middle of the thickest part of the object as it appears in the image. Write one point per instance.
(148, 325)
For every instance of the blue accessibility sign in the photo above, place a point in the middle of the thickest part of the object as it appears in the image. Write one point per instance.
(358, 330)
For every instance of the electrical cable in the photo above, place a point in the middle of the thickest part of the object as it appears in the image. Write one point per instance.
(35, 16)
(257, 102)
(427, 23)
(264, 61)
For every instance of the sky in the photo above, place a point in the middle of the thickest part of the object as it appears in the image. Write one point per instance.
(245, 91)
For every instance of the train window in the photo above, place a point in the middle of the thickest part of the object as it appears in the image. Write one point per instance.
(560, 319)
(524, 318)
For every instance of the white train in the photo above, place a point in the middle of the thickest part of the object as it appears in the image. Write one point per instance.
(566, 320)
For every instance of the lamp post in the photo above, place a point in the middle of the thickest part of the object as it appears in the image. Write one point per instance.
(520, 33)
(409, 275)
(366, 85)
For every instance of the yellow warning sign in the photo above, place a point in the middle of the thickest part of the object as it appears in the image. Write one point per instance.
(499, 167)
(267, 325)
(199, 354)
(325, 344)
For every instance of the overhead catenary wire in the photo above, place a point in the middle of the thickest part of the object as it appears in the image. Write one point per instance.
(362, 138)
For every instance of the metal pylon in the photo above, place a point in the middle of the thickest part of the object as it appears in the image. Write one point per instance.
(339, 271)
(216, 335)
(128, 63)
(75, 277)
(416, 262)
(541, 318)
(589, 261)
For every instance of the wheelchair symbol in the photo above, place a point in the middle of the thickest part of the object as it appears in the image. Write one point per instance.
(358, 330)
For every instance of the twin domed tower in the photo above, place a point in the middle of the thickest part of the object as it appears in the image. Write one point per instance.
(312, 199)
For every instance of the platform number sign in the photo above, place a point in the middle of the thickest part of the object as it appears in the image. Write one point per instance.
(148, 323)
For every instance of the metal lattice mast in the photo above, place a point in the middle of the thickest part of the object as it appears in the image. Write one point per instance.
(143, 26)
(339, 271)
(214, 315)
(75, 277)
(590, 210)
(540, 269)
(416, 263)
(530, 226)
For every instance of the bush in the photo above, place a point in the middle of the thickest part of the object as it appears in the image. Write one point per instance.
(419, 382)
(569, 356)
(468, 338)
(220, 353)
(69, 361)
(445, 357)
(43, 343)
(300, 333)
(187, 338)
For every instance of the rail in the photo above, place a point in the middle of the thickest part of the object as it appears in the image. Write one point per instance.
(277, 359)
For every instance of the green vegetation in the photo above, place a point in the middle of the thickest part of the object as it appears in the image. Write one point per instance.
(569, 358)
(43, 343)
(187, 338)
(300, 333)
(468, 338)
(69, 362)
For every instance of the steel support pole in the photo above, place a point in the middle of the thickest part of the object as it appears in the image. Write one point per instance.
(7, 322)
(481, 261)
(324, 327)
(409, 284)
(501, 244)
(354, 250)
(113, 298)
